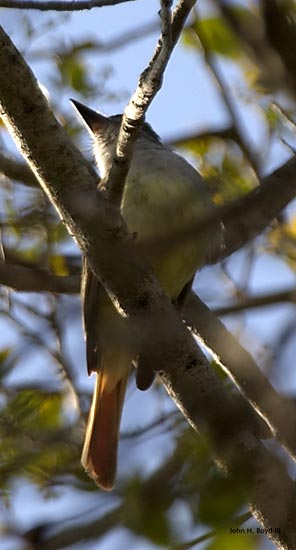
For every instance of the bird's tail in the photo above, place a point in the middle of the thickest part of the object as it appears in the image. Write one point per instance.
(99, 455)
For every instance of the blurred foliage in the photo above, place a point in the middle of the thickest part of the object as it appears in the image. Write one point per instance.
(282, 241)
(139, 503)
(225, 542)
(42, 399)
(217, 36)
(31, 417)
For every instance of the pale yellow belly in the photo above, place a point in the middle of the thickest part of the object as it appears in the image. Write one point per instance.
(155, 209)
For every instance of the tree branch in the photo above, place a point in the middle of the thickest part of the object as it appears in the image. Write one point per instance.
(59, 5)
(243, 218)
(259, 392)
(16, 170)
(129, 36)
(259, 208)
(236, 522)
(262, 300)
(149, 84)
(26, 279)
(100, 232)
(244, 372)
(221, 84)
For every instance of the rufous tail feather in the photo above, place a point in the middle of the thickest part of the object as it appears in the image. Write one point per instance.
(99, 455)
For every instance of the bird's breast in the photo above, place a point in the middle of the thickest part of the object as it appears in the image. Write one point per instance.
(158, 202)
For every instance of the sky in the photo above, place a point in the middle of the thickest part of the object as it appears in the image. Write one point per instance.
(181, 104)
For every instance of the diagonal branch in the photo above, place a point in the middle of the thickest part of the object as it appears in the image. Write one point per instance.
(244, 372)
(240, 365)
(101, 234)
(149, 84)
(243, 218)
(229, 102)
(236, 522)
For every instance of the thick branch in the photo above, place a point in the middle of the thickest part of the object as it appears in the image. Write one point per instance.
(258, 209)
(101, 234)
(242, 369)
(243, 219)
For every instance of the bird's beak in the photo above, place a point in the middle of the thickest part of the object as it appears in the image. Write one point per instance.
(95, 121)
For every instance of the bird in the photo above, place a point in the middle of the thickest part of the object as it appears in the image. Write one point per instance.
(163, 192)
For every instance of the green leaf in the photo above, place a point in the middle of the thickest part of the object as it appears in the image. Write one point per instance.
(74, 72)
(217, 37)
(58, 265)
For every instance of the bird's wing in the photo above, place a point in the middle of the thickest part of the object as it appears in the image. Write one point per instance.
(91, 290)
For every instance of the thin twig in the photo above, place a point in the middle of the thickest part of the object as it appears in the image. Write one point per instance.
(59, 5)
(228, 102)
(211, 534)
(263, 300)
(142, 430)
(228, 132)
(95, 528)
(126, 38)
